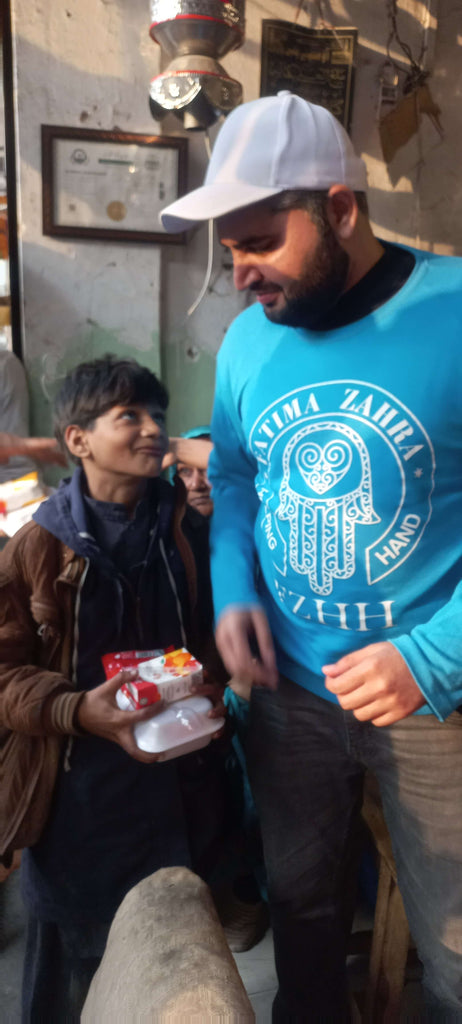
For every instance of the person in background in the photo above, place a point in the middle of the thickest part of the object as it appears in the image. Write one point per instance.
(243, 912)
(193, 452)
(108, 564)
(14, 413)
(336, 541)
(17, 449)
(194, 477)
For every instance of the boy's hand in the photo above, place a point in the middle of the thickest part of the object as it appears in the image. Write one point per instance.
(209, 688)
(98, 714)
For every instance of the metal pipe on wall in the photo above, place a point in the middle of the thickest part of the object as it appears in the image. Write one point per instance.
(194, 34)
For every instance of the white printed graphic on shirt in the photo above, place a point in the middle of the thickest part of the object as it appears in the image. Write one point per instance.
(345, 480)
(326, 489)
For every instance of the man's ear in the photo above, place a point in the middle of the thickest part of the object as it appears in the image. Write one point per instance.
(342, 211)
(76, 439)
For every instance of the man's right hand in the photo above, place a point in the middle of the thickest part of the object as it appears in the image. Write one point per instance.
(99, 714)
(245, 643)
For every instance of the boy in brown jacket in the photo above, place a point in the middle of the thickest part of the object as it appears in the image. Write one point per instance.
(106, 565)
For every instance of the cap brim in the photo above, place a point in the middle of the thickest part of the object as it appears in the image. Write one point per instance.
(210, 202)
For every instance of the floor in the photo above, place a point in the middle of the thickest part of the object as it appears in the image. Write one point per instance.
(256, 967)
(259, 976)
(258, 973)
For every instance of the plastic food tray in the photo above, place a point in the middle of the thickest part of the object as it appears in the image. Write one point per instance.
(177, 729)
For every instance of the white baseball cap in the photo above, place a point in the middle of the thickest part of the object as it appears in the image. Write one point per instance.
(268, 146)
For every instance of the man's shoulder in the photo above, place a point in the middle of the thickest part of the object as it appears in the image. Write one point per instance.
(441, 265)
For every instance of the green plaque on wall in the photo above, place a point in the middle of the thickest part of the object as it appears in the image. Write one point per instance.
(317, 64)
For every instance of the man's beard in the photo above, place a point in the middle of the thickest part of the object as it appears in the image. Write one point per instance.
(311, 299)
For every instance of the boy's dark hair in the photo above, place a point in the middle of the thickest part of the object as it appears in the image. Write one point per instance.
(91, 389)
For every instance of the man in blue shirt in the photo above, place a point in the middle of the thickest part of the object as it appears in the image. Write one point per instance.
(337, 549)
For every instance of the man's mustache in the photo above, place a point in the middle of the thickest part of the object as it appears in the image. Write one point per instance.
(264, 289)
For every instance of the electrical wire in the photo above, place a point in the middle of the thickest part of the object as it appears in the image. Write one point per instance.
(208, 272)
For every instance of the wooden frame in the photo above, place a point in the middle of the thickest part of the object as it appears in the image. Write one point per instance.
(11, 198)
(110, 185)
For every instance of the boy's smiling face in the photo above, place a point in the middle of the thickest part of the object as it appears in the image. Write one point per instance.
(126, 443)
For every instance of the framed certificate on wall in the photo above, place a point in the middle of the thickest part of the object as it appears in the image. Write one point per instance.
(110, 185)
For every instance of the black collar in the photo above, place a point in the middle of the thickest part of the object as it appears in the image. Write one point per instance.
(380, 283)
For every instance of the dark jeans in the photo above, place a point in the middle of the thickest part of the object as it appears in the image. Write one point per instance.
(307, 759)
(58, 968)
(61, 958)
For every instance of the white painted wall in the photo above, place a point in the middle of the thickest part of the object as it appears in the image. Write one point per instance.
(81, 63)
(89, 62)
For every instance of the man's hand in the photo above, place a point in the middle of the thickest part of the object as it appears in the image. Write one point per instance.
(375, 684)
(214, 691)
(98, 714)
(41, 449)
(192, 451)
(246, 646)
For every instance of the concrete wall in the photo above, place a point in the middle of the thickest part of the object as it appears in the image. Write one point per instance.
(89, 62)
(417, 200)
(83, 63)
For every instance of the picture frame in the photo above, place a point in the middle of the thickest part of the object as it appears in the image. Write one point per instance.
(316, 63)
(110, 185)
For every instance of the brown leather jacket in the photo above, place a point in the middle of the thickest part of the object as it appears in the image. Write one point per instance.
(39, 582)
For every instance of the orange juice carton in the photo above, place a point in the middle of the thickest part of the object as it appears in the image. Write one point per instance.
(174, 673)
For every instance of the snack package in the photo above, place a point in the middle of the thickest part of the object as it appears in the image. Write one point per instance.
(19, 499)
(114, 663)
(22, 491)
(165, 674)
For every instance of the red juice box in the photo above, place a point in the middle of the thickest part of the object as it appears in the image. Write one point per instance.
(140, 694)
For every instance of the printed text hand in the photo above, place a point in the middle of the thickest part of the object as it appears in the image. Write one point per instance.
(98, 714)
(375, 683)
(237, 630)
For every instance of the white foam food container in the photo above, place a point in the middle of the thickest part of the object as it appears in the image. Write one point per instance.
(178, 729)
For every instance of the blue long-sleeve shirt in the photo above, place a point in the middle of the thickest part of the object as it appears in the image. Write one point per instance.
(337, 483)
